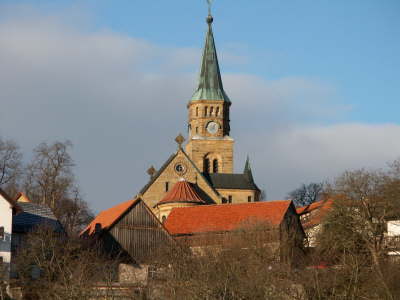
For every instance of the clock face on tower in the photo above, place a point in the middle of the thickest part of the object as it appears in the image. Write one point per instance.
(212, 127)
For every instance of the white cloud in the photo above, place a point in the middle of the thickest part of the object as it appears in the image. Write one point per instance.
(289, 157)
(122, 100)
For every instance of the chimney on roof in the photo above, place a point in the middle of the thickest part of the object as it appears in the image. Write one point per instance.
(97, 228)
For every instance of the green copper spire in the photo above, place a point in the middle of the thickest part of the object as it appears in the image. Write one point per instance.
(210, 83)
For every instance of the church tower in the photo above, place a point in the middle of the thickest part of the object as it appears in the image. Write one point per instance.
(209, 146)
(206, 164)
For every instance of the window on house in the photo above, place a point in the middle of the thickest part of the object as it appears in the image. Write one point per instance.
(217, 111)
(249, 199)
(229, 199)
(224, 200)
(206, 111)
(1, 233)
(167, 186)
(206, 165)
(305, 217)
(215, 166)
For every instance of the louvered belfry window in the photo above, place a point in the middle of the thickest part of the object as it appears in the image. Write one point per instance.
(206, 165)
(215, 166)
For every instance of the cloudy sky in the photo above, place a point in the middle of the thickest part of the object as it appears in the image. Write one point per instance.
(315, 85)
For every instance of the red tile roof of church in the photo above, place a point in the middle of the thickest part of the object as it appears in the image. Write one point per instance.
(108, 217)
(224, 217)
(182, 191)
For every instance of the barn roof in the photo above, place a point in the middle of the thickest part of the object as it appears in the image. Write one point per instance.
(225, 217)
(108, 217)
(182, 191)
(33, 215)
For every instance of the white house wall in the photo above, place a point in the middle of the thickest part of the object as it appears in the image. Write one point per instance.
(393, 228)
(6, 222)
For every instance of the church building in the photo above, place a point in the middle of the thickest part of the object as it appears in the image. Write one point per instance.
(206, 162)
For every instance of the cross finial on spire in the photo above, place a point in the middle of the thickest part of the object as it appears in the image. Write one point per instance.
(209, 6)
(209, 17)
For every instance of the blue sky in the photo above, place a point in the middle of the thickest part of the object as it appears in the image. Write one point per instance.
(351, 44)
(309, 76)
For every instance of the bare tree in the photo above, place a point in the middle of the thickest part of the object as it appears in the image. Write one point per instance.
(50, 266)
(306, 194)
(10, 164)
(244, 264)
(355, 230)
(49, 180)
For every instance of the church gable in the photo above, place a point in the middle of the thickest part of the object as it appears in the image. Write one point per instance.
(178, 166)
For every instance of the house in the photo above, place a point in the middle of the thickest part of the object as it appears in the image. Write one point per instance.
(392, 235)
(311, 217)
(128, 230)
(34, 215)
(217, 226)
(8, 210)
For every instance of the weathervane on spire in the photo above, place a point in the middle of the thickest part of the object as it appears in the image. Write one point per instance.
(209, 17)
(209, 6)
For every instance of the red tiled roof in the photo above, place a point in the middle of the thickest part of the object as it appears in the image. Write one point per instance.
(108, 217)
(182, 191)
(224, 217)
(310, 207)
(321, 209)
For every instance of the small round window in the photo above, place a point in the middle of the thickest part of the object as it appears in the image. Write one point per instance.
(180, 168)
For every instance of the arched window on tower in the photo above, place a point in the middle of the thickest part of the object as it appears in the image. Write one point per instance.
(215, 166)
(211, 110)
(206, 111)
(197, 111)
(206, 166)
(217, 111)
